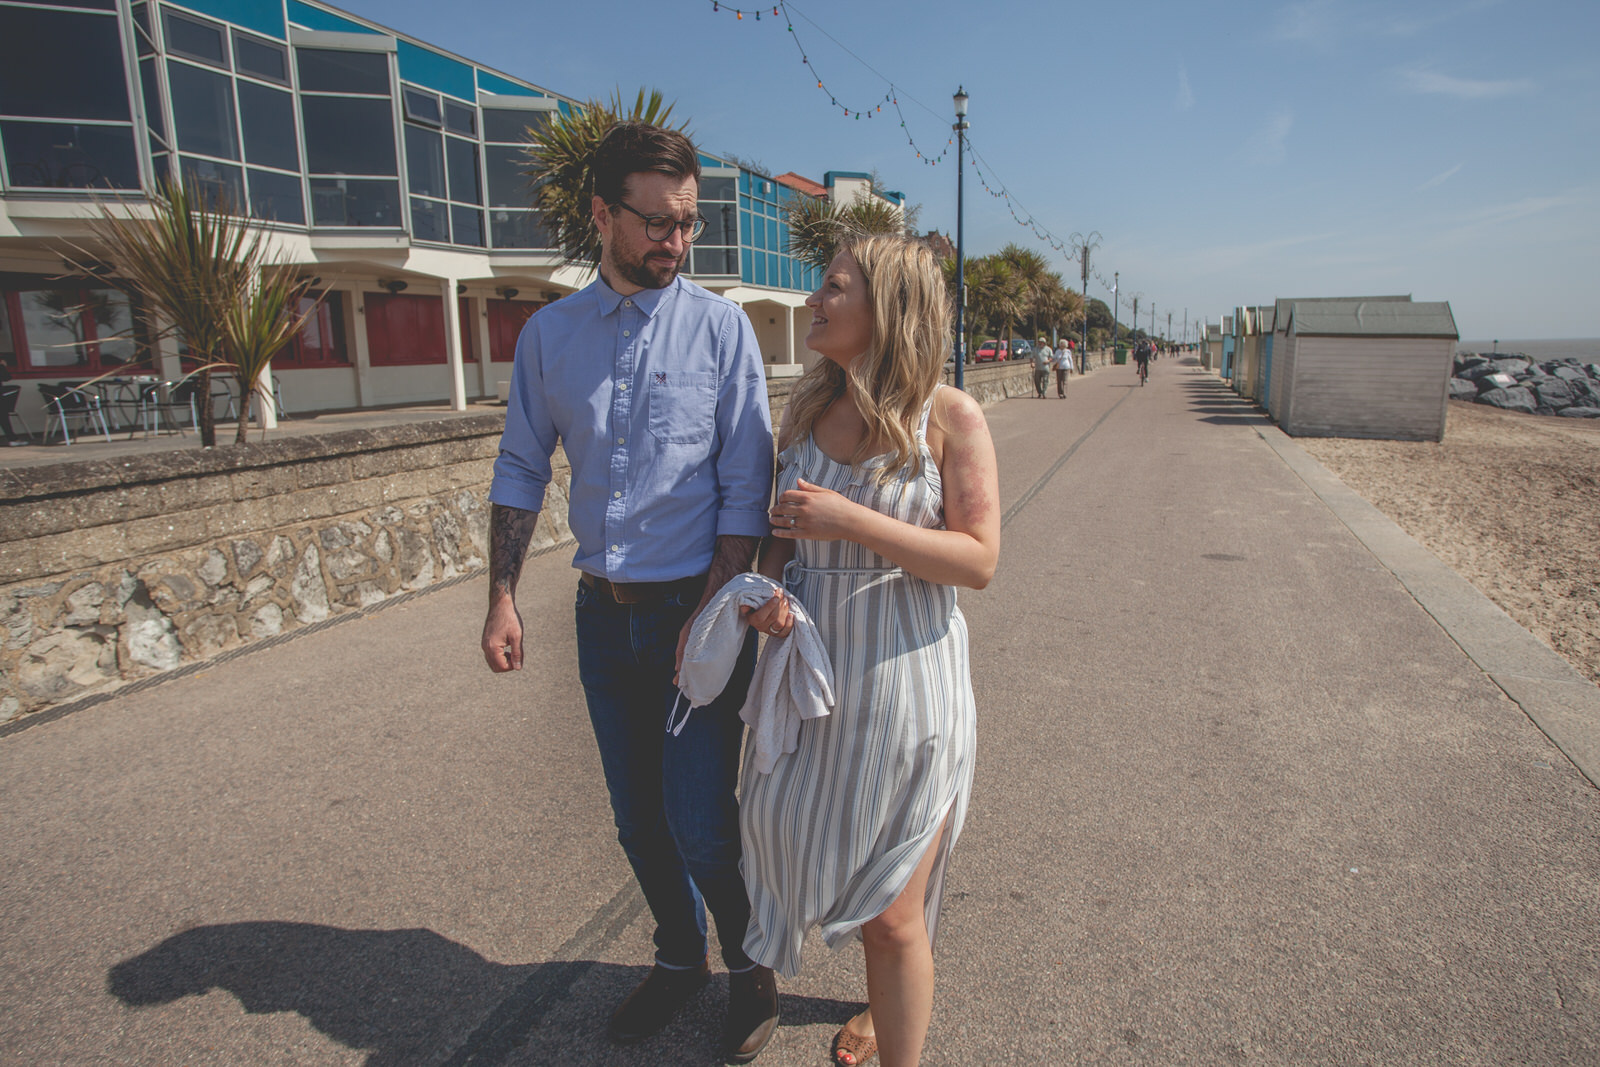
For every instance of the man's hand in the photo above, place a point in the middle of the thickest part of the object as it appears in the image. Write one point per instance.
(502, 636)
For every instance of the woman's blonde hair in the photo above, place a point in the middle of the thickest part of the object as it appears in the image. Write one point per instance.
(903, 363)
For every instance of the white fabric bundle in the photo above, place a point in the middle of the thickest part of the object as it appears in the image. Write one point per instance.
(793, 679)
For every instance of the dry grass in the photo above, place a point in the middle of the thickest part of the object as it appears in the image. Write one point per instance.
(1511, 502)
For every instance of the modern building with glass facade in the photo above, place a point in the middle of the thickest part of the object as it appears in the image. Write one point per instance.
(387, 168)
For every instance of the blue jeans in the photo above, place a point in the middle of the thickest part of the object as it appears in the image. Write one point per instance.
(674, 798)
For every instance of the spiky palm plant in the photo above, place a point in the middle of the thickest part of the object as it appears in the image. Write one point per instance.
(184, 263)
(258, 325)
(559, 156)
(818, 227)
(203, 273)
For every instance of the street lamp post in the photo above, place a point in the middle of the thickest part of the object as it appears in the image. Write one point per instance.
(1116, 309)
(961, 253)
(1085, 245)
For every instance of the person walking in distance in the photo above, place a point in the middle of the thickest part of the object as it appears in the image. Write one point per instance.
(1063, 368)
(655, 388)
(1043, 357)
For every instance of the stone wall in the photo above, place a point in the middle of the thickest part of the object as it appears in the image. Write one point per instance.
(118, 570)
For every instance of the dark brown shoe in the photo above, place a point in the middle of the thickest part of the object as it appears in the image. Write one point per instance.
(752, 1013)
(655, 1001)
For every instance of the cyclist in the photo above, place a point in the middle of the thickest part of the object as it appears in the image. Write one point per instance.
(1141, 358)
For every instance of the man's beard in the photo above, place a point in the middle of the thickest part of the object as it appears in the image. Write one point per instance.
(648, 275)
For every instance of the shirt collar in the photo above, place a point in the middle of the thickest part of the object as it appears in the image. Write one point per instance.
(646, 300)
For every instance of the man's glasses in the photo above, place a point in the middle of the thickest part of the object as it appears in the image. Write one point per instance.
(660, 227)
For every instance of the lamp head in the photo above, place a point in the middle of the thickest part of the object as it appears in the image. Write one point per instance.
(961, 103)
(394, 286)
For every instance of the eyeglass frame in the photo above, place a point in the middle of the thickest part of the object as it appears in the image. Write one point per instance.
(697, 224)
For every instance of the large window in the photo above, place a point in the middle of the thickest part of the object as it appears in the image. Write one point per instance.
(347, 113)
(232, 115)
(717, 251)
(442, 172)
(69, 329)
(512, 221)
(65, 118)
(320, 342)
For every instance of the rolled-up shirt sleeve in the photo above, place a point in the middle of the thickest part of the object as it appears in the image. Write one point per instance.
(744, 431)
(522, 470)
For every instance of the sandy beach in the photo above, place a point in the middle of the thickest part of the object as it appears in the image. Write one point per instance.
(1510, 501)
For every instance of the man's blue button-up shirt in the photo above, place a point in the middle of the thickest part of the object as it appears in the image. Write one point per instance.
(661, 403)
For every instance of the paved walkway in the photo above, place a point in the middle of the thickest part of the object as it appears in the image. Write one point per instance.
(1244, 795)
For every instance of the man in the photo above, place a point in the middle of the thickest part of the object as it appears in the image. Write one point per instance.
(1063, 365)
(655, 388)
(1141, 358)
(1042, 358)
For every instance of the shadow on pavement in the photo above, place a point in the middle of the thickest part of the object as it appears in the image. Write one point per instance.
(406, 996)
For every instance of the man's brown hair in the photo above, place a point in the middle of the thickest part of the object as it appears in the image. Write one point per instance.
(632, 147)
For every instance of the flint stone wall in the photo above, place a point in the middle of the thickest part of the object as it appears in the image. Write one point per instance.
(118, 570)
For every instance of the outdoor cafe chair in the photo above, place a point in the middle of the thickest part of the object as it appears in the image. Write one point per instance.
(9, 394)
(68, 400)
(161, 402)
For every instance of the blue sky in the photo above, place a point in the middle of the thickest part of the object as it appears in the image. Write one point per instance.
(1226, 153)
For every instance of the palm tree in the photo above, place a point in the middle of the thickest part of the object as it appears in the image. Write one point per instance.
(559, 160)
(1033, 275)
(994, 297)
(205, 275)
(258, 325)
(817, 227)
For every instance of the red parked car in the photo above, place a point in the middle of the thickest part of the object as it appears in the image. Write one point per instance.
(992, 352)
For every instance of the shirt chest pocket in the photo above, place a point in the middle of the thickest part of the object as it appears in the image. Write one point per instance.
(683, 408)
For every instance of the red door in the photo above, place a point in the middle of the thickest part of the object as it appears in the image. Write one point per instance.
(404, 330)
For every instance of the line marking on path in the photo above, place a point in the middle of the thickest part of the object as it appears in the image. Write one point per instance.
(507, 1027)
(1039, 485)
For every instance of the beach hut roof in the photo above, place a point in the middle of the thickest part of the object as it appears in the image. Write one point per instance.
(1281, 308)
(1372, 318)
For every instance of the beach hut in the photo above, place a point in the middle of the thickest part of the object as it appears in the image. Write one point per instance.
(1366, 368)
(1280, 372)
(1211, 351)
(1254, 327)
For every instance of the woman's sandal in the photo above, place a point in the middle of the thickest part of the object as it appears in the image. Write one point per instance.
(851, 1049)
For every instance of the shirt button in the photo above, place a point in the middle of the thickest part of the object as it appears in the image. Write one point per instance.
(616, 548)
(616, 495)
(627, 303)
(627, 333)
(622, 440)
(622, 385)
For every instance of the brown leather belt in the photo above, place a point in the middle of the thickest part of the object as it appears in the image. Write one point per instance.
(642, 592)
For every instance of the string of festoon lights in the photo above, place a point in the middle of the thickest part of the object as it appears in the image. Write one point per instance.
(891, 98)
(785, 11)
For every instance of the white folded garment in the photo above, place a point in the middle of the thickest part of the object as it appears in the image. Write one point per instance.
(793, 679)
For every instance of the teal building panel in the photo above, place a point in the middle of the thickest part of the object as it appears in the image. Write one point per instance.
(316, 18)
(426, 67)
(493, 83)
(263, 16)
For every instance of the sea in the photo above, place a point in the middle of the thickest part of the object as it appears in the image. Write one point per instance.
(1584, 349)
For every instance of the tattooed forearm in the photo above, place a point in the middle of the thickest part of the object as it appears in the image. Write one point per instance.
(731, 557)
(510, 533)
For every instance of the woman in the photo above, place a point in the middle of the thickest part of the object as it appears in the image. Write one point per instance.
(887, 500)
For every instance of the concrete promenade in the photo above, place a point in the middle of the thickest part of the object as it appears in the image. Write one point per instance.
(1250, 789)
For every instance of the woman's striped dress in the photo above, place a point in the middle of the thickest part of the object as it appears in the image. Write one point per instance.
(833, 834)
